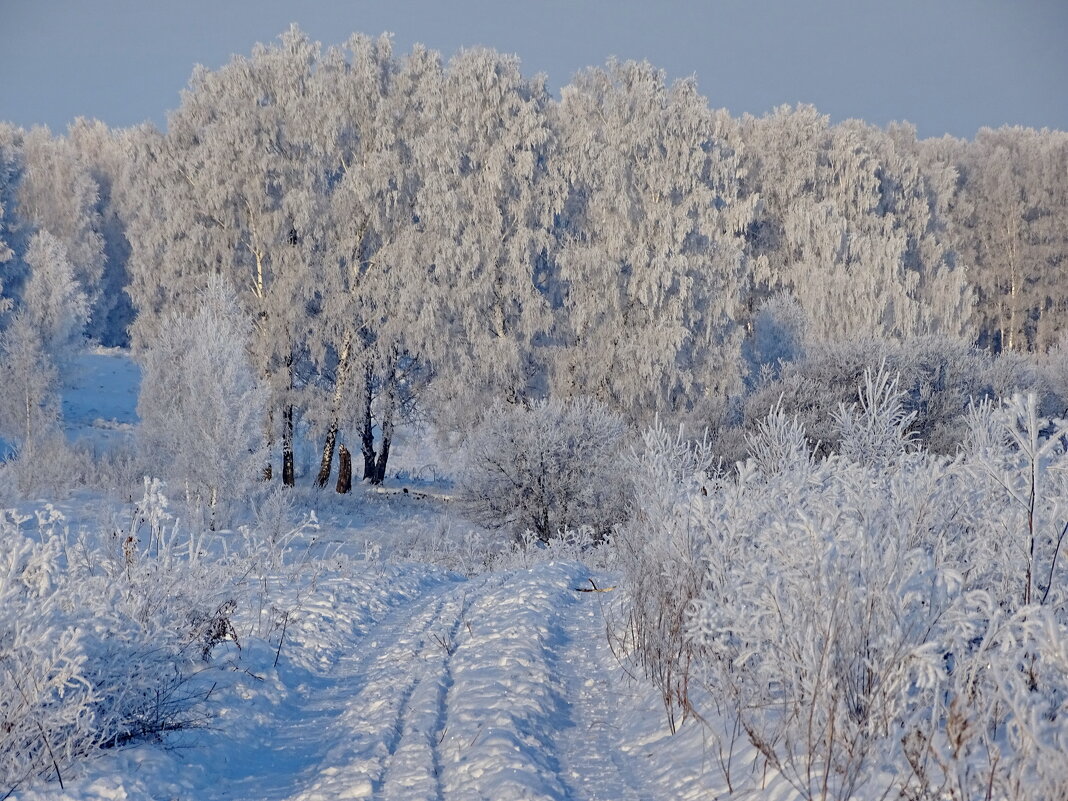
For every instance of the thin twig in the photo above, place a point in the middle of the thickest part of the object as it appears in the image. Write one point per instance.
(1053, 562)
(285, 622)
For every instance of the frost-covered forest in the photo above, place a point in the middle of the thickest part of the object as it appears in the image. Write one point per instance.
(795, 391)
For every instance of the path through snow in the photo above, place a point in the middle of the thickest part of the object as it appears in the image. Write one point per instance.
(501, 687)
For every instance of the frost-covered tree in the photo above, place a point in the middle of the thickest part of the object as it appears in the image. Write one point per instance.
(849, 223)
(235, 188)
(105, 154)
(58, 194)
(649, 261)
(37, 348)
(487, 210)
(202, 403)
(10, 160)
(1008, 217)
(375, 119)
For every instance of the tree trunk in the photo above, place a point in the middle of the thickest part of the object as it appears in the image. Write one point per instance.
(383, 458)
(368, 428)
(340, 375)
(268, 469)
(387, 429)
(289, 477)
(344, 471)
(326, 465)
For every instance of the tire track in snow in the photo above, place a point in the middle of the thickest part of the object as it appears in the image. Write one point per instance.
(589, 739)
(413, 768)
(395, 706)
(502, 707)
(501, 688)
(282, 744)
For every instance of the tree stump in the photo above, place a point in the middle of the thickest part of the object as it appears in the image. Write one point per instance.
(344, 471)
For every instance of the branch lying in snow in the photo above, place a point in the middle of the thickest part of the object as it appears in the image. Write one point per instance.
(595, 588)
(437, 496)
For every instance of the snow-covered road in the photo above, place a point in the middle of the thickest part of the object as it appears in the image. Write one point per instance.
(501, 687)
(495, 688)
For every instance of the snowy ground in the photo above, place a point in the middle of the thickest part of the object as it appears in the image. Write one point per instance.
(399, 679)
(101, 406)
(407, 682)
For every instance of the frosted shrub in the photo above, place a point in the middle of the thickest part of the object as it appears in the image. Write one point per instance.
(878, 622)
(549, 467)
(659, 555)
(202, 406)
(938, 378)
(45, 698)
(874, 431)
(1018, 464)
(100, 633)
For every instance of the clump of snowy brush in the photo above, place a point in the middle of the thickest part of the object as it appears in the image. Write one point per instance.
(546, 468)
(106, 636)
(881, 622)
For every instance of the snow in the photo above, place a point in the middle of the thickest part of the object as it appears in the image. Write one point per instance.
(100, 398)
(408, 682)
(398, 679)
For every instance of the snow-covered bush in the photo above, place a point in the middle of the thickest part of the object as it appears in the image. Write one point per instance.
(939, 377)
(98, 634)
(548, 467)
(112, 634)
(878, 622)
(874, 430)
(659, 556)
(202, 406)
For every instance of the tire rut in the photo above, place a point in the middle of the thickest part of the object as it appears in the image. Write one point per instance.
(589, 743)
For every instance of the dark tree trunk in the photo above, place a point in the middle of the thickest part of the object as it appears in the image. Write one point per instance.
(327, 463)
(344, 470)
(289, 477)
(368, 427)
(340, 381)
(387, 431)
(383, 458)
(268, 469)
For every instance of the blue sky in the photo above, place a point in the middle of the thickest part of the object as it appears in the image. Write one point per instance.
(948, 66)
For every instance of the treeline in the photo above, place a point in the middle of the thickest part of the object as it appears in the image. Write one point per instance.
(406, 235)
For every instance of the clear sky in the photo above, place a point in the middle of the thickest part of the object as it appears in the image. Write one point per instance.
(948, 66)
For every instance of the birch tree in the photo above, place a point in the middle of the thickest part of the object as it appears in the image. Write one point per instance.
(57, 194)
(1009, 218)
(650, 259)
(39, 344)
(105, 154)
(849, 225)
(378, 111)
(201, 403)
(487, 208)
(235, 188)
(10, 272)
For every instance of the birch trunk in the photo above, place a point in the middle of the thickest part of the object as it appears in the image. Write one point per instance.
(388, 414)
(289, 477)
(326, 465)
(368, 427)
